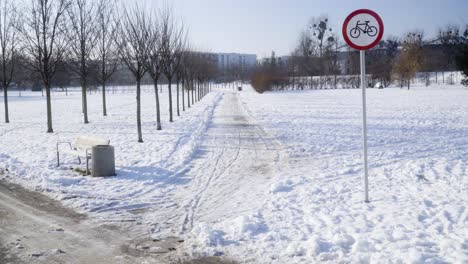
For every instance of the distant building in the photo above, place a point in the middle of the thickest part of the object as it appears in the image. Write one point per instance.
(281, 61)
(227, 60)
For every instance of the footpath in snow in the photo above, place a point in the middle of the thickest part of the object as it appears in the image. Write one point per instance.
(228, 178)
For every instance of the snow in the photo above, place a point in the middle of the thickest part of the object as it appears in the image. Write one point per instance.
(315, 210)
(268, 178)
(142, 169)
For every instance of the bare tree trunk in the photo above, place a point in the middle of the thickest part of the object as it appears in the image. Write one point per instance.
(49, 109)
(138, 94)
(188, 93)
(193, 92)
(158, 112)
(85, 102)
(5, 99)
(104, 108)
(178, 111)
(183, 100)
(170, 99)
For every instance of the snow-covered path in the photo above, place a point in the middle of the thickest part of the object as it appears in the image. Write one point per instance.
(235, 159)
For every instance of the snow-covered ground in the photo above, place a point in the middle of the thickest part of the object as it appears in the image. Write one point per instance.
(315, 211)
(270, 178)
(143, 170)
(418, 184)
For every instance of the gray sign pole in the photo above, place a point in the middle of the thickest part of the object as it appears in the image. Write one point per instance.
(364, 125)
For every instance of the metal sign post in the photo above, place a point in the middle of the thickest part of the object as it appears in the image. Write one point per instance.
(362, 30)
(364, 125)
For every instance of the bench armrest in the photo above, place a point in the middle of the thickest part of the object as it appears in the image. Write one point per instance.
(63, 142)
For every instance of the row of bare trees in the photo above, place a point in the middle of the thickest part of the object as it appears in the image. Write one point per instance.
(95, 38)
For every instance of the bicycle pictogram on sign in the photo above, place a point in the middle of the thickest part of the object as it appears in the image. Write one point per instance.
(363, 27)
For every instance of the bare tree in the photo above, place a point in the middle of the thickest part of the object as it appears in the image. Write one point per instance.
(305, 55)
(45, 42)
(82, 34)
(322, 34)
(172, 43)
(133, 50)
(449, 38)
(381, 61)
(106, 49)
(8, 46)
(154, 63)
(178, 57)
(178, 75)
(180, 78)
(188, 72)
(183, 75)
(462, 57)
(411, 58)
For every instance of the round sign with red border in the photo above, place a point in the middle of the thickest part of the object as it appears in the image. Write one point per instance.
(363, 29)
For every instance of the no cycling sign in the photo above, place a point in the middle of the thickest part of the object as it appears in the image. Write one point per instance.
(362, 30)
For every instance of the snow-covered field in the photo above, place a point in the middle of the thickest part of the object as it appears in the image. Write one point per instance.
(143, 169)
(418, 183)
(315, 211)
(270, 178)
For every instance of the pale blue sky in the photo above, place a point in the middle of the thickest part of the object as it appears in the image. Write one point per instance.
(260, 26)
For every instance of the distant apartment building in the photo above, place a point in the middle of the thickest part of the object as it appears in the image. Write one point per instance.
(228, 60)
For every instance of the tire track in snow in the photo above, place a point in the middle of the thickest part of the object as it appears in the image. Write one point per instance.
(189, 219)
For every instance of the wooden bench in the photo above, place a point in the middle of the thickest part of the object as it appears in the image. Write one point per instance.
(82, 148)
